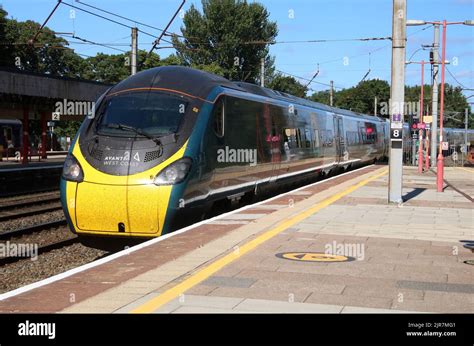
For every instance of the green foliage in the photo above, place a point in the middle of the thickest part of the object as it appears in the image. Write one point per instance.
(5, 50)
(361, 99)
(113, 68)
(107, 68)
(67, 128)
(288, 85)
(216, 38)
(49, 54)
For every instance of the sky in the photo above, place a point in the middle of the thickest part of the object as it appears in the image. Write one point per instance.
(344, 62)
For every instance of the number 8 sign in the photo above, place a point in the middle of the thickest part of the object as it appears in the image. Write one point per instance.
(396, 133)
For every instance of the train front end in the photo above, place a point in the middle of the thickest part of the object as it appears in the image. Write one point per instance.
(129, 163)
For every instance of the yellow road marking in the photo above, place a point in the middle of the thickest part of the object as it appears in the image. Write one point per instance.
(470, 170)
(206, 272)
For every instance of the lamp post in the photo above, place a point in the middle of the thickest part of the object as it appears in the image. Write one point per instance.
(420, 150)
(440, 162)
(420, 113)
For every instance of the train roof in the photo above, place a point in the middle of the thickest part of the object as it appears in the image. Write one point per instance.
(200, 83)
(278, 95)
(187, 80)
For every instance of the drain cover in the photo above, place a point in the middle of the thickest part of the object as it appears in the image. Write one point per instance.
(313, 257)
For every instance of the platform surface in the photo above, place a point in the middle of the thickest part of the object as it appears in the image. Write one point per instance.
(402, 258)
(35, 163)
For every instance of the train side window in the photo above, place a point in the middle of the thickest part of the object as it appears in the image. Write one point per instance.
(290, 137)
(219, 111)
(307, 136)
(7, 137)
(368, 132)
(7, 133)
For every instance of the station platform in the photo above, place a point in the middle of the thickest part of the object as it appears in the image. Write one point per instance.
(13, 165)
(335, 246)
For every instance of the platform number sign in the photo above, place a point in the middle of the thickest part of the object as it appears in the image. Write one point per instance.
(396, 133)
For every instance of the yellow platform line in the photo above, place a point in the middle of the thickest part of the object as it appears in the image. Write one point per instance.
(174, 292)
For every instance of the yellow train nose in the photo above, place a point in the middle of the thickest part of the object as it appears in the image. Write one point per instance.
(132, 209)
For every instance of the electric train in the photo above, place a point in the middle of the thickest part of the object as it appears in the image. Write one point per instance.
(172, 140)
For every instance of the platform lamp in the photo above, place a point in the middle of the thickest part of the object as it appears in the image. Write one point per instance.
(444, 23)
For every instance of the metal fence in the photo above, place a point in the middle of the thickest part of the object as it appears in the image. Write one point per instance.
(455, 156)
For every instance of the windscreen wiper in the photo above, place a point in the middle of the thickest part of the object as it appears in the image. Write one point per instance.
(136, 130)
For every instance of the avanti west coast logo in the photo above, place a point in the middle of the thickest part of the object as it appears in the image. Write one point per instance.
(28, 328)
(230, 155)
(121, 160)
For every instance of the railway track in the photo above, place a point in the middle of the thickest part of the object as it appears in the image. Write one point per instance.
(33, 205)
(15, 238)
(40, 250)
(26, 201)
(38, 235)
(31, 229)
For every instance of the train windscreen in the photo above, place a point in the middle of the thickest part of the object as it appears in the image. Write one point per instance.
(153, 113)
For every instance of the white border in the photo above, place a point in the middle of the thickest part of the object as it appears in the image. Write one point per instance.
(101, 261)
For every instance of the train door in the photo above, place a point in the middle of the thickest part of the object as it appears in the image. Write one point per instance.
(341, 149)
(274, 140)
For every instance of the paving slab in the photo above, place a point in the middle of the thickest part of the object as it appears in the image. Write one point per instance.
(400, 258)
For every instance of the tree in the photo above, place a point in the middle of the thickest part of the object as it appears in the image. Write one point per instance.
(230, 37)
(288, 85)
(360, 98)
(455, 103)
(113, 68)
(5, 49)
(455, 106)
(49, 54)
(67, 128)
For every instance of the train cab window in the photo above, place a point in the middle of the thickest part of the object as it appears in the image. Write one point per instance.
(219, 118)
(155, 113)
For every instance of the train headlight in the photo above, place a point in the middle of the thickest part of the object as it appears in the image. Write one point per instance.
(72, 170)
(174, 173)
